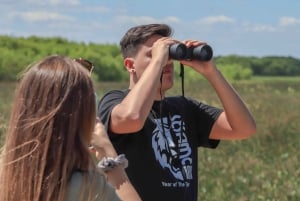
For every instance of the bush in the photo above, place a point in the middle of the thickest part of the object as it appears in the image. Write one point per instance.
(236, 72)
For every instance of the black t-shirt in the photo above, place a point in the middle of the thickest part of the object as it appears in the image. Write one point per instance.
(163, 156)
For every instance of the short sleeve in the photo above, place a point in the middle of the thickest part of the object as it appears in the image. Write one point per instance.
(107, 103)
(205, 117)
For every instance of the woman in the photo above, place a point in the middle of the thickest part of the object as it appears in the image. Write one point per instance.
(46, 155)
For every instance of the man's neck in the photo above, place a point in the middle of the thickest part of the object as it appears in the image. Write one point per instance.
(160, 95)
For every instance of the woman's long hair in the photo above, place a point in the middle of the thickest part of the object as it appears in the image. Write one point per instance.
(51, 123)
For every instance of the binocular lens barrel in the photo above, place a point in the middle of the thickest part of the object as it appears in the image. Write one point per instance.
(179, 51)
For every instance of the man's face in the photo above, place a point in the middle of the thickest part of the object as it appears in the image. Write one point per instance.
(143, 58)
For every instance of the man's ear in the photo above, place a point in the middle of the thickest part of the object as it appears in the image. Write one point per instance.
(128, 63)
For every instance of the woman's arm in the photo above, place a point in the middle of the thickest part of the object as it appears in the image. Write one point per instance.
(117, 176)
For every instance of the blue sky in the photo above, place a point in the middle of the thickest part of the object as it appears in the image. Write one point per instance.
(242, 27)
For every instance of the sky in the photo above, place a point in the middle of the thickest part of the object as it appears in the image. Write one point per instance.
(241, 27)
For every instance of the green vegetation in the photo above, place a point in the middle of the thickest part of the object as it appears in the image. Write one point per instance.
(18, 52)
(274, 66)
(264, 167)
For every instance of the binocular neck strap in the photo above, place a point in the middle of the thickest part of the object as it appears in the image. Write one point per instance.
(182, 78)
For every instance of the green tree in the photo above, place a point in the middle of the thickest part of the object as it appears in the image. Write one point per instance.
(18, 52)
(236, 72)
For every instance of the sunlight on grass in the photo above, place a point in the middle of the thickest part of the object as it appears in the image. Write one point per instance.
(265, 167)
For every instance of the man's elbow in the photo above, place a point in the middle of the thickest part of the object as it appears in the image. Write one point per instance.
(128, 123)
(249, 132)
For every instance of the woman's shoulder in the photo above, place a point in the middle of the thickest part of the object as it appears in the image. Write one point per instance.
(90, 185)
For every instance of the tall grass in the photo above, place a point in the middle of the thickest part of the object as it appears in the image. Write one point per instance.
(6, 97)
(265, 167)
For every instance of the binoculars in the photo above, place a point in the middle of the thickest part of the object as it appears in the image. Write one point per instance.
(179, 51)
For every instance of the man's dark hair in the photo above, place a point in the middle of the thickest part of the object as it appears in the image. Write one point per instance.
(137, 35)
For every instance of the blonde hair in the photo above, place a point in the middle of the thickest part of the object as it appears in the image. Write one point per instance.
(51, 124)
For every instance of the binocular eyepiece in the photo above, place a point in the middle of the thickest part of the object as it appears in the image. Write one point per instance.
(179, 51)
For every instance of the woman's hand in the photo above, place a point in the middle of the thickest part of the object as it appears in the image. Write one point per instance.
(101, 143)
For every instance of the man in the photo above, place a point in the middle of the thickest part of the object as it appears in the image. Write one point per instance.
(160, 135)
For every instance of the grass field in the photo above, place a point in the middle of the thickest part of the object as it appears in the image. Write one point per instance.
(265, 167)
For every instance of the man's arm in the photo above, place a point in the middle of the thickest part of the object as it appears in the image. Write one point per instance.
(236, 122)
(130, 115)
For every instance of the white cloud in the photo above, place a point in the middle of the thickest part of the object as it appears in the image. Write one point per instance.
(55, 2)
(96, 9)
(42, 16)
(287, 21)
(216, 19)
(260, 28)
(283, 23)
(146, 19)
(171, 19)
(136, 20)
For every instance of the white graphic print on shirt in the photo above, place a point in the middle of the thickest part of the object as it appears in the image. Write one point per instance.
(172, 149)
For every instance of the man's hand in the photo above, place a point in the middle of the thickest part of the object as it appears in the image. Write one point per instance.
(203, 67)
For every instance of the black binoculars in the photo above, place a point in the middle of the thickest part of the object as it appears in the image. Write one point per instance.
(179, 51)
